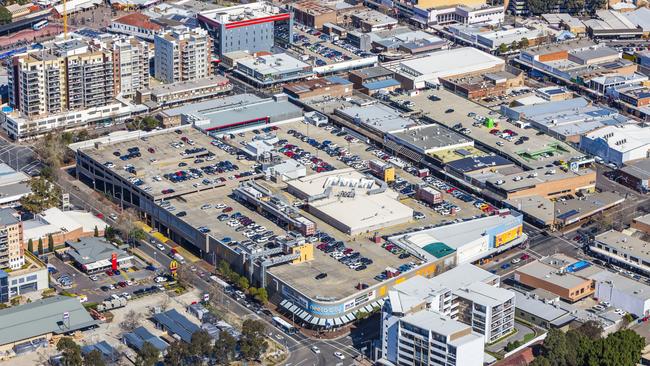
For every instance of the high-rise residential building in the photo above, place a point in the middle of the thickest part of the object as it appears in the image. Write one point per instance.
(465, 294)
(131, 60)
(72, 83)
(426, 338)
(182, 54)
(11, 240)
(250, 27)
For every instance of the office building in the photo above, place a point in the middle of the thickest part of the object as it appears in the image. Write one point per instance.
(268, 70)
(313, 14)
(250, 27)
(11, 239)
(4, 287)
(549, 183)
(182, 92)
(182, 54)
(553, 276)
(623, 293)
(623, 250)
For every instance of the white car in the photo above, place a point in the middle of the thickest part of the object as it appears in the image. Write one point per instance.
(113, 216)
(160, 247)
(315, 349)
(515, 261)
(94, 278)
(160, 279)
(339, 355)
(126, 295)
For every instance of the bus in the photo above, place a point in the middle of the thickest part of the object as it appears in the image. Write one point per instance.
(40, 25)
(284, 325)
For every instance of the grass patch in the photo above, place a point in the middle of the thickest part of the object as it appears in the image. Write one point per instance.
(514, 331)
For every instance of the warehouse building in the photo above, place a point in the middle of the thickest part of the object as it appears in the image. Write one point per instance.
(242, 111)
(379, 119)
(175, 324)
(318, 88)
(635, 174)
(418, 72)
(38, 321)
(617, 144)
(350, 202)
(429, 139)
(612, 24)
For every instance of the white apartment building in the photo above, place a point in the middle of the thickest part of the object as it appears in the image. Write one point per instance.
(182, 54)
(428, 338)
(465, 294)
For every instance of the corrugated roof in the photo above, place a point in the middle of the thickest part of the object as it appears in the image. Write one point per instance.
(43, 317)
(177, 324)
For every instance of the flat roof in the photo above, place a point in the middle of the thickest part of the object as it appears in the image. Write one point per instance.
(435, 322)
(229, 111)
(456, 235)
(639, 169)
(181, 86)
(622, 138)
(551, 274)
(610, 20)
(567, 211)
(377, 116)
(366, 207)
(478, 162)
(625, 243)
(41, 317)
(560, 46)
(275, 64)
(245, 14)
(373, 17)
(451, 62)
(634, 289)
(527, 180)
(431, 137)
(371, 72)
(538, 308)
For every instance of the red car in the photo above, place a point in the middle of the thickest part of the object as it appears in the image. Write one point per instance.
(494, 131)
(451, 189)
(226, 210)
(524, 257)
(109, 272)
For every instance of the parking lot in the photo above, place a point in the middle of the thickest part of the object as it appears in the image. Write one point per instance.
(322, 49)
(536, 152)
(175, 162)
(100, 286)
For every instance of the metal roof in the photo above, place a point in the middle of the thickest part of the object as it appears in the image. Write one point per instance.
(43, 317)
(174, 322)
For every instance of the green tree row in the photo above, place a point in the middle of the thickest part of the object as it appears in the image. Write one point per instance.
(259, 294)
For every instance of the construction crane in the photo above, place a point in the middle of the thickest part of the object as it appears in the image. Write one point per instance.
(65, 21)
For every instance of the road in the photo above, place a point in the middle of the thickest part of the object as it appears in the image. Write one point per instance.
(298, 344)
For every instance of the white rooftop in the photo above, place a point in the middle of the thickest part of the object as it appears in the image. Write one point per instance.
(242, 12)
(451, 62)
(622, 138)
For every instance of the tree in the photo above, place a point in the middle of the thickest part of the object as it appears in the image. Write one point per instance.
(514, 45)
(592, 5)
(262, 296)
(96, 232)
(40, 246)
(177, 354)
(50, 243)
(537, 7)
(252, 343)
(131, 321)
(5, 15)
(110, 233)
(148, 355)
(44, 195)
(524, 43)
(94, 358)
(574, 6)
(30, 246)
(71, 352)
(503, 48)
(200, 345)
(224, 348)
(242, 283)
(591, 329)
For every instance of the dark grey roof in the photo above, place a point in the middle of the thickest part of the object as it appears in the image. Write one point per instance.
(43, 317)
(473, 163)
(140, 335)
(174, 322)
(8, 217)
(108, 352)
(639, 169)
(90, 250)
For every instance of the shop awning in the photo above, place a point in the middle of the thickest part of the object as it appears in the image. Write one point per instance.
(314, 320)
(337, 321)
(321, 321)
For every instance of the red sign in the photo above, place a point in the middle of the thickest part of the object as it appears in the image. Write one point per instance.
(114, 261)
